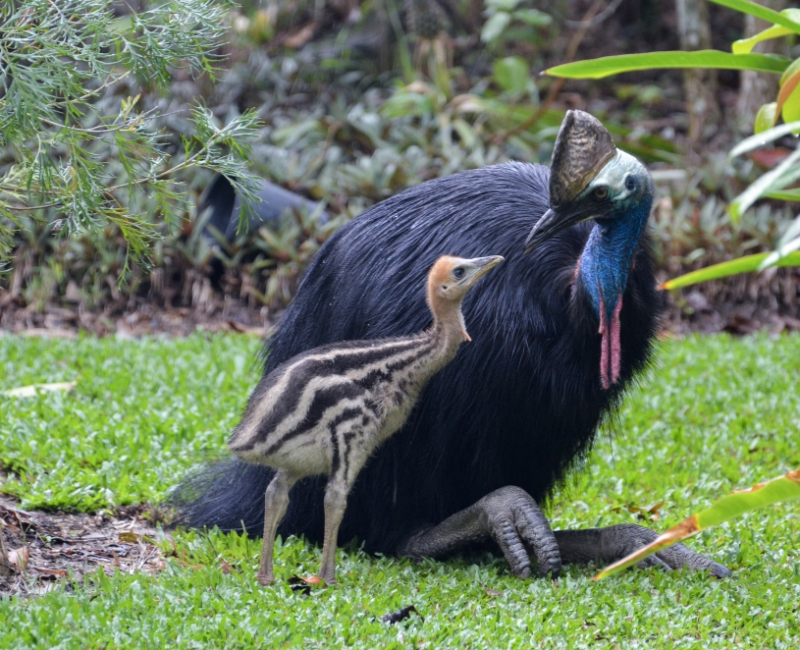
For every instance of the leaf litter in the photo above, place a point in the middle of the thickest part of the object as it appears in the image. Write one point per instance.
(47, 548)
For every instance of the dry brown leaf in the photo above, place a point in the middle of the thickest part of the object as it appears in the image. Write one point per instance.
(134, 538)
(304, 584)
(18, 559)
(227, 567)
(246, 329)
(34, 389)
(52, 573)
(301, 37)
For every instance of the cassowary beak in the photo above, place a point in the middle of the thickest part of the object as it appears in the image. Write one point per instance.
(551, 223)
(583, 148)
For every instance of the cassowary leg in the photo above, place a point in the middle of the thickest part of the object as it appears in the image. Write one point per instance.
(606, 545)
(335, 504)
(276, 500)
(511, 517)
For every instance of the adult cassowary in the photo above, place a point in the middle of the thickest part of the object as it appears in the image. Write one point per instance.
(558, 335)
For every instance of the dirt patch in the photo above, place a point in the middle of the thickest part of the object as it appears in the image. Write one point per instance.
(61, 547)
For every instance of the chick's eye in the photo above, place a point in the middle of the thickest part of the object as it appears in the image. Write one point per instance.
(458, 273)
(630, 183)
(601, 193)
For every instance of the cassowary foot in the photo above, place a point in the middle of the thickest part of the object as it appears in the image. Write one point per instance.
(509, 516)
(606, 545)
(328, 581)
(264, 579)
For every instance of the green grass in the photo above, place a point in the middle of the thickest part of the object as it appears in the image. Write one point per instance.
(716, 414)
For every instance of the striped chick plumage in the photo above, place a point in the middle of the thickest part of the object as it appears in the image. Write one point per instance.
(326, 410)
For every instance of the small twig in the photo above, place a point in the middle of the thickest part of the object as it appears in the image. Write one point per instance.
(98, 131)
(599, 18)
(92, 93)
(556, 86)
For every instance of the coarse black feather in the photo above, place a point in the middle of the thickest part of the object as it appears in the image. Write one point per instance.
(518, 406)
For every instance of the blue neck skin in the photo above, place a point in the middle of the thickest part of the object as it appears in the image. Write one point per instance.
(608, 255)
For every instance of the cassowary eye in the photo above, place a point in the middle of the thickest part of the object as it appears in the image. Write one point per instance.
(601, 193)
(630, 183)
(458, 273)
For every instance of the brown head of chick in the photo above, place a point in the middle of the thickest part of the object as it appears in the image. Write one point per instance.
(326, 410)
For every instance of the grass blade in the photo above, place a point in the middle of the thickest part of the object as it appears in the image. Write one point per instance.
(735, 504)
(611, 65)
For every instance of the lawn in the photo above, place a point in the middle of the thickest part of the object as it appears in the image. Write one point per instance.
(715, 414)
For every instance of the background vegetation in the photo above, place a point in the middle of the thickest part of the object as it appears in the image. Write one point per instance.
(358, 101)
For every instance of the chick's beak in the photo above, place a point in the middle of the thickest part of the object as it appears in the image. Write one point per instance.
(484, 265)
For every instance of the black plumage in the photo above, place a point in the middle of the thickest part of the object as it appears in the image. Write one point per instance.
(517, 407)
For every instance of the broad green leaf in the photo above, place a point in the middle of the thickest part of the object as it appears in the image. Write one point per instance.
(495, 26)
(533, 17)
(745, 264)
(512, 73)
(791, 69)
(791, 108)
(766, 117)
(611, 65)
(761, 185)
(502, 5)
(746, 45)
(788, 96)
(784, 18)
(735, 504)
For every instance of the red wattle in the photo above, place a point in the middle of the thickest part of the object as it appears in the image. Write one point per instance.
(616, 354)
(604, 344)
(610, 351)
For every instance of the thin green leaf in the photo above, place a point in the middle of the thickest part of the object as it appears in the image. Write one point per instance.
(611, 65)
(784, 195)
(760, 11)
(765, 137)
(780, 254)
(746, 45)
(745, 264)
(735, 504)
(760, 186)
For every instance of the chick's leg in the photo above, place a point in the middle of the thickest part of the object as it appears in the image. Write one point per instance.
(335, 504)
(276, 500)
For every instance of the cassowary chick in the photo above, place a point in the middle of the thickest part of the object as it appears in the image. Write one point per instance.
(326, 410)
